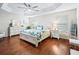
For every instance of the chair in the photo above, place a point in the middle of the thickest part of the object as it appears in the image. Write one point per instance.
(64, 35)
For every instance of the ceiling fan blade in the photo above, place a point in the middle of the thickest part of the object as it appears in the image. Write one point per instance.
(37, 10)
(29, 5)
(22, 7)
(35, 7)
(25, 4)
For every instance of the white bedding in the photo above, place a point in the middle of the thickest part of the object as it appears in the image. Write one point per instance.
(33, 32)
(34, 36)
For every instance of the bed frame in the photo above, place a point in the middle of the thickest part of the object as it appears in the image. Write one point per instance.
(33, 39)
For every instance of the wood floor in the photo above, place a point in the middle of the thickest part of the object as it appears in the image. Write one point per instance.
(16, 46)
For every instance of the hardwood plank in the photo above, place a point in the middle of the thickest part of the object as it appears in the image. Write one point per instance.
(74, 46)
(15, 46)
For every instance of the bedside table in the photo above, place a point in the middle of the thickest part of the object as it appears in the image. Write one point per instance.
(55, 34)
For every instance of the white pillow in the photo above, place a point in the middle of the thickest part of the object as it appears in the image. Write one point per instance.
(39, 27)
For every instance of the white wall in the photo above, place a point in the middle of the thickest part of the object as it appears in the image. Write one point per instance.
(64, 18)
(5, 18)
(67, 6)
(70, 6)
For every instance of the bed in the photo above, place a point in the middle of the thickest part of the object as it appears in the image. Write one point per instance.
(34, 36)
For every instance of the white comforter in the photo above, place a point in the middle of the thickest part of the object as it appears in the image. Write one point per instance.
(33, 32)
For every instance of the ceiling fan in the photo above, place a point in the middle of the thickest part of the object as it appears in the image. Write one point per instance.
(28, 7)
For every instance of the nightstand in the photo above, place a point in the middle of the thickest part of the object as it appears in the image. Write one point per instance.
(55, 34)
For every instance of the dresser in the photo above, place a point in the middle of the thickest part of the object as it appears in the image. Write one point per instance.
(13, 31)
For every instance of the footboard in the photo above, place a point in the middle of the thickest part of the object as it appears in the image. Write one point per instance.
(34, 39)
(44, 35)
(29, 38)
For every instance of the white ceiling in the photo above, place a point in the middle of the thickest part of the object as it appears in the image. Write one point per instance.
(42, 7)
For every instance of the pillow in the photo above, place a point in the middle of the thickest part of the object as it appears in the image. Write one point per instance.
(39, 27)
(28, 27)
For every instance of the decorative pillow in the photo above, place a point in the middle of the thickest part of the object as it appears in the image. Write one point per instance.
(39, 27)
(28, 27)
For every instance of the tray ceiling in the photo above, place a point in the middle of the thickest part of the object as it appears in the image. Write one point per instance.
(20, 8)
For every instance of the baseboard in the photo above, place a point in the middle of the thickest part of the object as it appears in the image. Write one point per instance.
(15, 35)
(9, 36)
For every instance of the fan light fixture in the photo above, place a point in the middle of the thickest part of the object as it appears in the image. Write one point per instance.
(29, 8)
